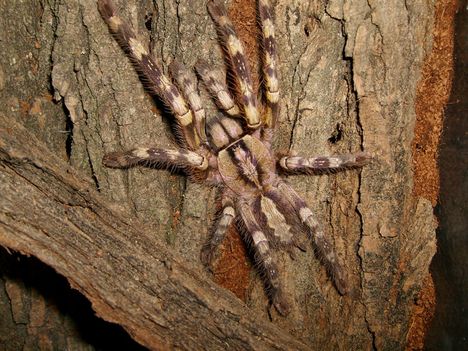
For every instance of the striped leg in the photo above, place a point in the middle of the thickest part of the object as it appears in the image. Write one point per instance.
(269, 63)
(188, 85)
(160, 157)
(217, 88)
(324, 163)
(217, 236)
(152, 74)
(240, 69)
(264, 257)
(324, 248)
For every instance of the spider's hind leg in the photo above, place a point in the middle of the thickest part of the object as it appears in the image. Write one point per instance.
(322, 244)
(264, 256)
(217, 236)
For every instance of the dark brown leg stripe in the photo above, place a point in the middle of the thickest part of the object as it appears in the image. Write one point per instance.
(269, 63)
(323, 163)
(163, 157)
(324, 248)
(264, 256)
(150, 71)
(235, 53)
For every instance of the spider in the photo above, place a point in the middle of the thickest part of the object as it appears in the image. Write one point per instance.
(233, 150)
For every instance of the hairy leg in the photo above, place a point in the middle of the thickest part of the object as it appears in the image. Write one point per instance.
(150, 71)
(322, 244)
(187, 83)
(161, 157)
(269, 64)
(217, 87)
(217, 236)
(235, 53)
(264, 256)
(300, 164)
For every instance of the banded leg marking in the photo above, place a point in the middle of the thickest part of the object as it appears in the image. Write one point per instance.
(187, 83)
(264, 257)
(235, 53)
(269, 63)
(217, 88)
(208, 251)
(324, 248)
(323, 163)
(156, 81)
(178, 158)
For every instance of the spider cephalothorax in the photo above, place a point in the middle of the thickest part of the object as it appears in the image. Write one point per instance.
(233, 151)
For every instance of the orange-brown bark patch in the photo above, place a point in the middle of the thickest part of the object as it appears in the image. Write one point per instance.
(232, 270)
(243, 14)
(432, 96)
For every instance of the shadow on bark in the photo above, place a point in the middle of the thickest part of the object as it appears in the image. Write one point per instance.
(41, 284)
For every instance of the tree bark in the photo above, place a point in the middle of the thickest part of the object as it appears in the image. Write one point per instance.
(129, 277)
(348, 75)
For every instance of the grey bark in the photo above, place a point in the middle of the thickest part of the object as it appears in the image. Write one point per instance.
(348, 73)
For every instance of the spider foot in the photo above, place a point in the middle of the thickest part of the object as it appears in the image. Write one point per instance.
(280, 302)
(118, 160)
(207, 257)
(363, 158)
(341, 281)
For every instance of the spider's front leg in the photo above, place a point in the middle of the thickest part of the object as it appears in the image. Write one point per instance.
(187, 83)
(152, 75)
(217, 88)
(157, 156)
(235, 55)
(269, 65)
(298, 164)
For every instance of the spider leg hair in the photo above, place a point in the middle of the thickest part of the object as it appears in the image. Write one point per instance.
(263, 255)
(186, 81)
(282, 221)
(323, 247)
(269, 63)
(298, 164)
(170, 158)
(220, 229)
(217, 87)
(236, 57)
(151, 73)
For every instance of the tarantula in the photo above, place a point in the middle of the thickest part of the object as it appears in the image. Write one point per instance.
(233, 151)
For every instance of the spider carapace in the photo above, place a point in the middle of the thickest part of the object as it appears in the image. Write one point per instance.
(233, 150)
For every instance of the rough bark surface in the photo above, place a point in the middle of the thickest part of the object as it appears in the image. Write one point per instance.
(349, 71)
(129, 277)
(448, 330)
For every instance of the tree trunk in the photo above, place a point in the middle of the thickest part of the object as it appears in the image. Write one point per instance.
(129, 240)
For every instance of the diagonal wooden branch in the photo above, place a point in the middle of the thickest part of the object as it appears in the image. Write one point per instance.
(49, 211)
